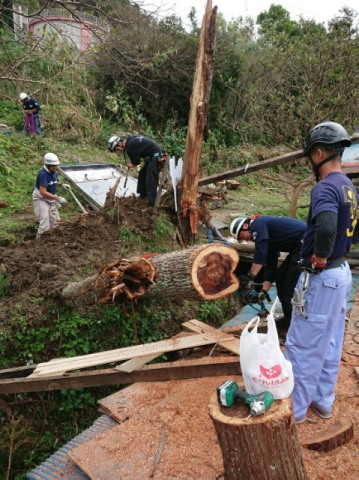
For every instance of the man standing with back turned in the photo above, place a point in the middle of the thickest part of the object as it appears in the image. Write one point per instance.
(139, 147)
(315, 337)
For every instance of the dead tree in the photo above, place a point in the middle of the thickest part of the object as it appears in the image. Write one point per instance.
(204, 272)
(263, 447)
(202, 83)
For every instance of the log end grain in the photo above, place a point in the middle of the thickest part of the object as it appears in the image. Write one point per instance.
(213, 271)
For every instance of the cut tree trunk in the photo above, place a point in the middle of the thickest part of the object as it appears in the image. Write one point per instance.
(204, 272)
(263, 447)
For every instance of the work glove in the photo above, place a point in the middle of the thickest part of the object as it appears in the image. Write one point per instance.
(66, 186)
(246, 281)
(263, 295)
(62, 201)
(310, 265)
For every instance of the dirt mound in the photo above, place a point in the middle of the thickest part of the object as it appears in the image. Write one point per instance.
(74, 250)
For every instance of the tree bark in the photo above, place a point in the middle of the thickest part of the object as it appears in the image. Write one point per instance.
(204, 272)
(202, 83)
(264, 447)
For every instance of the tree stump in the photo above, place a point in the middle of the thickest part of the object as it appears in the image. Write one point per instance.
(259, 448)
(334, 436)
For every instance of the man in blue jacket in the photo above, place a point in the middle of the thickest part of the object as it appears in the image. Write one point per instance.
(139, 147)
(31, 109)
(272, 235)
(45, 199)
(315, 337)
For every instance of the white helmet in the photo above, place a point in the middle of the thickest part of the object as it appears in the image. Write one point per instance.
(113, 142)
(236, 226)
(51, 159)
(23, 96)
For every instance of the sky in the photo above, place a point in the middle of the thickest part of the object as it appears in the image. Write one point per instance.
(319, 10)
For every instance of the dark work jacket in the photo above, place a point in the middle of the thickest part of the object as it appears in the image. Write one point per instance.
(31, 104)
(139, 146)
(272, 235)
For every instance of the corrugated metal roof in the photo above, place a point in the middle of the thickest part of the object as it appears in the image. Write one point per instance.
(350, 160)
(59, 466)
(351, 154)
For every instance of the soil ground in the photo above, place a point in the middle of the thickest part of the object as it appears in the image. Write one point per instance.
(41, 268)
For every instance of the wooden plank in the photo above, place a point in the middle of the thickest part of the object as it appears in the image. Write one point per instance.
(200, 327)
(237, 172)
(203, 367)
(136, 363)
(17, 371)
(62, 365)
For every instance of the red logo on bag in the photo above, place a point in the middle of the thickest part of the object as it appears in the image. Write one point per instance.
(272, 372)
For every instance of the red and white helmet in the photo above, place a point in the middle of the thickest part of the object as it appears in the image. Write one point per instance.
(51, 159)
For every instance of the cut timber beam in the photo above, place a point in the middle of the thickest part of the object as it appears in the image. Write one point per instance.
(203, 367)
(200, 327)
(62, 365)
(237, 172)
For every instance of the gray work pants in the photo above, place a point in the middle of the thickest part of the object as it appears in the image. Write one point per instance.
(46, 212)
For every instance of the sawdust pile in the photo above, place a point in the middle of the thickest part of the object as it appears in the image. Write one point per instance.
(165, 431)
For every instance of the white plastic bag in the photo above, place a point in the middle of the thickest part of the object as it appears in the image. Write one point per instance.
(264, 367)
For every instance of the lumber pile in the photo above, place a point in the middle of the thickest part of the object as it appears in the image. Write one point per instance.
(128, 365)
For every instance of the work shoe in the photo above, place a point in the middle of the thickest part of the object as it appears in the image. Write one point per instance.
(326, 414)
(300, 420)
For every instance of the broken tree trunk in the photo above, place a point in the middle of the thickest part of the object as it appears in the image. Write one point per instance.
(204, 272)
(265, 447)
(121, 280)
(188, 187)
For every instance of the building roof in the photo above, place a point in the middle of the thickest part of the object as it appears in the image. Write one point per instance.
(350, 158)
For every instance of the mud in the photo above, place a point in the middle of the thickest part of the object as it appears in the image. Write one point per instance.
(41, 268)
